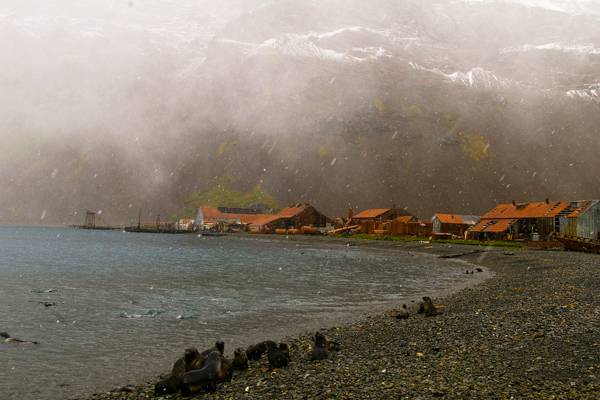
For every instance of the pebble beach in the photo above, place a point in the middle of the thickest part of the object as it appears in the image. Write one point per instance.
(529, 331)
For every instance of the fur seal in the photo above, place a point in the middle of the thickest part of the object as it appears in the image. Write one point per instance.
(428, 307)
(219, 346)
(277, 359)
(226, 371)
(284, 347)
(403, 312)
(240, 359)
(320, 349)
(207, 376)
(171, 384)
(254, 351)
(192, 359)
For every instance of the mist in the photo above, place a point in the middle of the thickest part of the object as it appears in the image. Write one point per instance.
(434, 106)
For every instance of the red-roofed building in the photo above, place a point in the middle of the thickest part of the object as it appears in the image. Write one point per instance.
(386, 221)
(294, 217)
(535, 221)
(185, 224)
(210, 217)
(380, 214)
(453, 224)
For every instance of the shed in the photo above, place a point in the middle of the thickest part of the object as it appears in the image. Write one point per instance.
(454, 224)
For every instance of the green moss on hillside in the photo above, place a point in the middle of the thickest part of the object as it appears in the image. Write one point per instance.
(221, 193)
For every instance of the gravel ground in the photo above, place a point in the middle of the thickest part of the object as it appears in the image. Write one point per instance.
(531, 331)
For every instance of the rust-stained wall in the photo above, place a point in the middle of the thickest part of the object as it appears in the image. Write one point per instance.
(586, 224)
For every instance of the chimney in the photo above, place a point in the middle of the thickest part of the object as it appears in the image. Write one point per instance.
(547, 200)
(350, 213)
(514, 203)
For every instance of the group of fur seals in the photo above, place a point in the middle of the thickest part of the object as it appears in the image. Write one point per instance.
(191, 361)
(195, 370)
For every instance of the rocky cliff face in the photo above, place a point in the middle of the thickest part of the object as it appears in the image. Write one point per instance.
(437, 106)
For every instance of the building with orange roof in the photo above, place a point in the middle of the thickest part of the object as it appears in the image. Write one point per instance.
(184, 224)
(380, 214)
(453, 224)
(535, 221)
(386, 221)
(210, 217)
(294, 217)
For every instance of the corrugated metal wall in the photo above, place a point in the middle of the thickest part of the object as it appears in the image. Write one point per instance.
(437, 225)
(586, 225)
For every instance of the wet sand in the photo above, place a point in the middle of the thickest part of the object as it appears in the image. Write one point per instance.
(530, 331)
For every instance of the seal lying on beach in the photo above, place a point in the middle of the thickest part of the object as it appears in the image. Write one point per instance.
(206, 377)
(320, 349)
(254, 351)
(219, 346)
(171, 384)
(277, 359)
(403, 312)
(240, 359)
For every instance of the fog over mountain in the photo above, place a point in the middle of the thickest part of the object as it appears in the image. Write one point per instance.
(432, 105)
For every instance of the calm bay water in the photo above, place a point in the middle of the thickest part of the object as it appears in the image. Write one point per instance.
(127, 304)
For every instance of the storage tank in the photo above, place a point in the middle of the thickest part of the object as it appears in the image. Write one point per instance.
(308, 230)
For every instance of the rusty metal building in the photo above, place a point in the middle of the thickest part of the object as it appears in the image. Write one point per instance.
(453, 224)
(536, 221)
(383, 221)
(219, 218)
(294, 217)
(380, 215)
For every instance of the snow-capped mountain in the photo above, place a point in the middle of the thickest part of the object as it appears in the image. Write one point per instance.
(164, 96)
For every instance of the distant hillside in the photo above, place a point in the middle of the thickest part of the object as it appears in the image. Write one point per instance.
(430, 105)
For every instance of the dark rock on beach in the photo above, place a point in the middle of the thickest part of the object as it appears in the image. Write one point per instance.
(530, 331)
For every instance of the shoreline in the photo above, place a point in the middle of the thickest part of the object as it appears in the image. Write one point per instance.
(530, 331)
